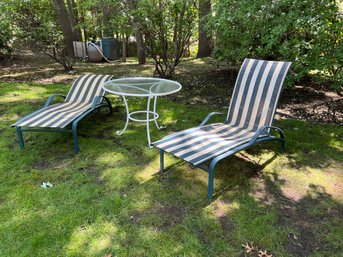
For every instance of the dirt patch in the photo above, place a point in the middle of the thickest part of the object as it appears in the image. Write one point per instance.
(221, 212)
(169, 215)
(303, 242)
(42, 165)
(203, 84)
(305, 217)
(93, 174)
(315, 104)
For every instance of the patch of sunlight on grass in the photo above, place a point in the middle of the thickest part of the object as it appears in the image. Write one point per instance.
(260, 158)
(9, 117)
(148, 171)
(61, 78)
(146, 72)
(296, 183)
(330, 181)
(23, 92)
(336, 144)
(197, 61)
(222, 208)
(18, 74)
(92, 240)
(109, 157)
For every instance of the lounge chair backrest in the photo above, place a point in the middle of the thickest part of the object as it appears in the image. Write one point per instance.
(256, 93)
(86, 88)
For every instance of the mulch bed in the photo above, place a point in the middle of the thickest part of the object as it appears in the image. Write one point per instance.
(209, 85)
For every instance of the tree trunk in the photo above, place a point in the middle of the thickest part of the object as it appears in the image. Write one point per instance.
(81, 19)
(106, 14)
(133, 5)
(73, 20)
(64, 22)
(140, 48)
(124, 49)
(205, 41)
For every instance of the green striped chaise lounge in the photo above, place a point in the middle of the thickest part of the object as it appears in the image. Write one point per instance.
(85, 96)
(248, 120)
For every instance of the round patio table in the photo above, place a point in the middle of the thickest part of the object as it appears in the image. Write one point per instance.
(147, 87)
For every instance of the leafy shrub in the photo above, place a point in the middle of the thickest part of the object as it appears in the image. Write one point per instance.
(309, 33)
(6, 34)
(167, 26)
(5, 38)
(35, 24)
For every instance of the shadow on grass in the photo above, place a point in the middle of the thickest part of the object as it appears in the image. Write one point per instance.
(312, 219)
(109, 199)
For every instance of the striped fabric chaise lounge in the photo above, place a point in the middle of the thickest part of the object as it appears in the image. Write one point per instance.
(248, 121)
(85, 96)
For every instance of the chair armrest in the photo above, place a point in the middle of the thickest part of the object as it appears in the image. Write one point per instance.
(98, 99)
(262, 129)
(47, 103)
(208, 117)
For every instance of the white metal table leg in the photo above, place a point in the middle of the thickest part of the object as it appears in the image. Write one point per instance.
(148, 121)
(127, 117)
(155, 103)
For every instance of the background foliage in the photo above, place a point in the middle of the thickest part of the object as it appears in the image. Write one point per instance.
(309, 33)
(168, 27)
(6, 34)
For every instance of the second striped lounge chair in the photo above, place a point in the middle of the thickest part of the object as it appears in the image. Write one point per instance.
(248, 121)
(85, 96)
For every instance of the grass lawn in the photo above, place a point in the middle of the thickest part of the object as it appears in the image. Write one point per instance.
(109, 200)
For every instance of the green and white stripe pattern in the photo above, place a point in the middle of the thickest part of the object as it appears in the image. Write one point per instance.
(79, 100)
(252, 106)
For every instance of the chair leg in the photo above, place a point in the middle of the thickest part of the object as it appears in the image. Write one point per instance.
(211, 179)
(20, 137)
(283, 145)
(161, 161)
(210, 184)
(111, 109)
(75, 138)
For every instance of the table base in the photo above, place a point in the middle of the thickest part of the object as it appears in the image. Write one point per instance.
(148, 112)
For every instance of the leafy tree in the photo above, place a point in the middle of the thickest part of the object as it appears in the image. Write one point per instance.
(168, 26)
(5, 37)
(309, 33)
(6, 31)
(36, 23)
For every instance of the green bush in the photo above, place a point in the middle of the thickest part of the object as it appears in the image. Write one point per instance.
(6, 37)
(309, 33)
(167, 27)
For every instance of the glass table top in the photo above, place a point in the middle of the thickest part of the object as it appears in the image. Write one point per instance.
(140, 86)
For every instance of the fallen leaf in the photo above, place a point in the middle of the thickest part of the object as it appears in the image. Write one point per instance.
(264, 254)
(249, 247)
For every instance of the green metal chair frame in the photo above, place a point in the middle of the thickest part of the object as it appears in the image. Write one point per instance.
(97, 103)
(251, 112)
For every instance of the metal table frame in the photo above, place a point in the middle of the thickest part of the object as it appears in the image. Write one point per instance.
(149, 94)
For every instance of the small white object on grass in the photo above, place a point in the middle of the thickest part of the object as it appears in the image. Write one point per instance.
(46, 184)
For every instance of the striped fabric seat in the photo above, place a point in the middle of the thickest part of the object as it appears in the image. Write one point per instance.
(85, 96)
(78, 101)
(197, 145)
(252, 106)
(55, 116)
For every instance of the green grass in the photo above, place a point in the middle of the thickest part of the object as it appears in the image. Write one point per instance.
(109, 200)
